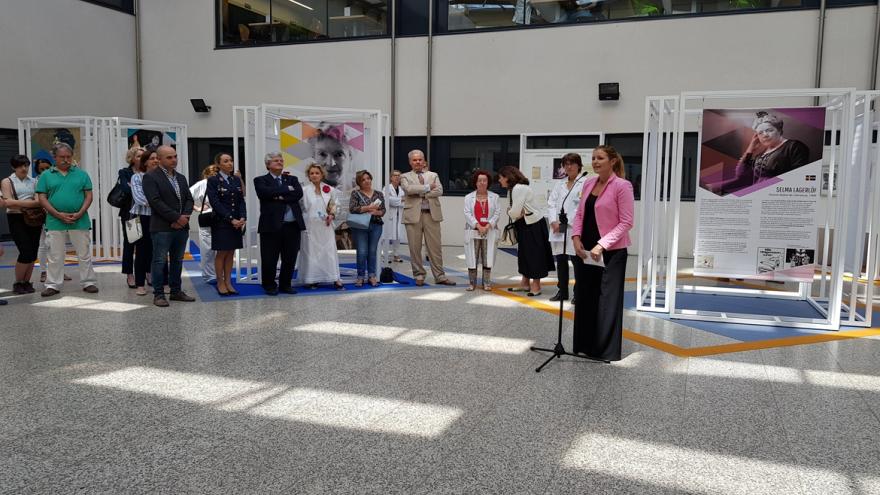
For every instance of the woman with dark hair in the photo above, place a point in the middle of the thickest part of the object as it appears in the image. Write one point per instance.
(226, 194)
(600, 234)
(365, 199)
(768, 154)
(124, 176)
(18, 191)
(534, 256)
(481, 214)
(143, 247)
(561, 207)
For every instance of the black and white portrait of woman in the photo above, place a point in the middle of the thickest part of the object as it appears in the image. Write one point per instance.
(330, 150)
(769, 153)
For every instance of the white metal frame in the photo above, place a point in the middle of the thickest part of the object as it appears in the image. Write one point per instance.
(103, 145)
(658, 255)
(652, 281)
(253, 123)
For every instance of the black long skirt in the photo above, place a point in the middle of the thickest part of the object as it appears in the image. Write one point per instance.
(534, 254)
(598, 311)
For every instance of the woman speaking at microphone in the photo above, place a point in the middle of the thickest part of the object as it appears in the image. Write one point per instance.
(600, 234)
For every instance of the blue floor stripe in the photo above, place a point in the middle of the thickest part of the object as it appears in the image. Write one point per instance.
(738, 304)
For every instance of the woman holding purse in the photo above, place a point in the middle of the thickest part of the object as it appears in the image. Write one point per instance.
(18, 191)
(534, 256)
(140, 209)
(318, 260)
(366, 200)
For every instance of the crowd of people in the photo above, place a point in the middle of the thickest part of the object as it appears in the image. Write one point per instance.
(586, 223)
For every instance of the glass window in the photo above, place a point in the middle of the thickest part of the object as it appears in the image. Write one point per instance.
(629, 146)
(455, 158)
(126, 6)
(467, 15)
(412, 17)
(260, 22)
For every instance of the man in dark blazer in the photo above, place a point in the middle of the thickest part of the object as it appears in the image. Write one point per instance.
(281, 224)
(172, 204)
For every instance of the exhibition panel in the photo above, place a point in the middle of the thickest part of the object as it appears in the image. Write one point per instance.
(341, 140)
(99, 147)
(776, 201)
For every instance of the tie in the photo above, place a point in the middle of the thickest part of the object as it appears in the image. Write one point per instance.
(279, 180)
(425, 205)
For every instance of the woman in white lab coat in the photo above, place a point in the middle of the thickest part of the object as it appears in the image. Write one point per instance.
(481, 214)
(561, 207)
(394, 231)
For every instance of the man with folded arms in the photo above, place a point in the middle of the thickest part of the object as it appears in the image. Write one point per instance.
(422, 216)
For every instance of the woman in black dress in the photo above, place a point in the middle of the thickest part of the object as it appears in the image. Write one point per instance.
(600, 231)
(226, 195)
(534, 257)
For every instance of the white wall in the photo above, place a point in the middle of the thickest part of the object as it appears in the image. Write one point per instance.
(65, 57)
(541, 80)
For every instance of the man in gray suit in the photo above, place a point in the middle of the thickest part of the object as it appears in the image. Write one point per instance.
(422, 216)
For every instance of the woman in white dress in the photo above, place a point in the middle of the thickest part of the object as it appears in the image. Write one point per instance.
(561, 207)
(394, 232)
(481, 214)
(319, 261)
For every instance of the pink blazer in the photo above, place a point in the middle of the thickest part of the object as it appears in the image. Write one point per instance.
(614, 212)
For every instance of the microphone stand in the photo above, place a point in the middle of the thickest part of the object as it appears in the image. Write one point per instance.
(559, 350)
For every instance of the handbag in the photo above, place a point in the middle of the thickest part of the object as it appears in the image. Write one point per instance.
(133, 229)
(119, 197)
(33, 217)
(359, 221)
(508, 236)
(206, 218)
(386, 276)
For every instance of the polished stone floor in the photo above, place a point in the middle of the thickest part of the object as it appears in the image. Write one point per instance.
(410, 391)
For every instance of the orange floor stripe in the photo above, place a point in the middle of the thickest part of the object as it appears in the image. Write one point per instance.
(701, 351)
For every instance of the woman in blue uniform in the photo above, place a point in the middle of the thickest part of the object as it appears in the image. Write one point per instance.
(226, 195)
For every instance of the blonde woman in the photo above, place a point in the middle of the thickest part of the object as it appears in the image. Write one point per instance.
(319, 262)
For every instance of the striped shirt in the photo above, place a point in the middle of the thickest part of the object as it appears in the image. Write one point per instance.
(139, 205)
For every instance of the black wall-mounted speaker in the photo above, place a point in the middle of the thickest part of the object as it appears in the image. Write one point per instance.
(199, 105)
(609, 91)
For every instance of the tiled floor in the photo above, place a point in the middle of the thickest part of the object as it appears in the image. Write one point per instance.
(411, 391)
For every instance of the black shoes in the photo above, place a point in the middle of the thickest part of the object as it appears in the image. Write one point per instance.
(181, 296)
(560, 296)
(287, 290)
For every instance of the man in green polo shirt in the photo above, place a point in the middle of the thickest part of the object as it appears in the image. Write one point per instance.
(65, 191)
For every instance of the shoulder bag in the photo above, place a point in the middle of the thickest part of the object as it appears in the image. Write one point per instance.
(359, 221)
(206, 218)
(34, 216)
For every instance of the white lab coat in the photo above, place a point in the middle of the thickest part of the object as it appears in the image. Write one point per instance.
(393, 230)
(470, 232)
(555, 205)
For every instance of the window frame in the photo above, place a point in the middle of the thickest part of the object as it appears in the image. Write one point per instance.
(218, 34)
